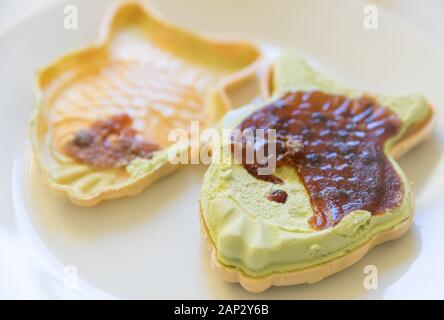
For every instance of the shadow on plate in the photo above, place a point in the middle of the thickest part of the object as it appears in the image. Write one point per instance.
(57, 214)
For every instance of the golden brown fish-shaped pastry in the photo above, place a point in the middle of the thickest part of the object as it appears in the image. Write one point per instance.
(104, 112)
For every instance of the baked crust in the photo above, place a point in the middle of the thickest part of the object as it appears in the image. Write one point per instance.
(309, 275)
(44, 77)
(415, 134)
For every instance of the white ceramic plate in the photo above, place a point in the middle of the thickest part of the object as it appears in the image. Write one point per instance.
(149, 246)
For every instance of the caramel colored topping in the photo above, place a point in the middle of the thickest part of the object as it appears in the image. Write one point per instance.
(279, 196)
(109, 143)
(336, 145)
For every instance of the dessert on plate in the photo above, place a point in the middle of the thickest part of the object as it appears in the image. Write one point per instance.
(104, 112)
(337, 190)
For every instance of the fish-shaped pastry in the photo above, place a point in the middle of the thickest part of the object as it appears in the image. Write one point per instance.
(336, 192)
(104, 112)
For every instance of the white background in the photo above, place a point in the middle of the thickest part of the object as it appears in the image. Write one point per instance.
(426, 15)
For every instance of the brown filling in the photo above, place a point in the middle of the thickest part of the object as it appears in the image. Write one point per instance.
(279, 196)
(336, 145)
(109, 143)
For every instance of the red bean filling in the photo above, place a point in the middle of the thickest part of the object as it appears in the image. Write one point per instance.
(109, 143)
(279, 196)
